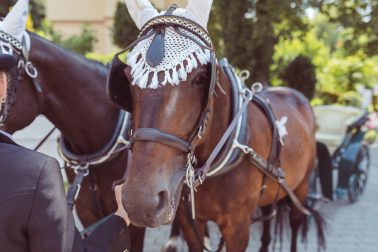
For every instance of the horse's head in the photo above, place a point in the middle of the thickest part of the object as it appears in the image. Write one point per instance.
(166, 80)
(15, 41)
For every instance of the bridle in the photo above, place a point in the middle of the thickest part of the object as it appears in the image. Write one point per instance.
(24, 65)
(192, 175)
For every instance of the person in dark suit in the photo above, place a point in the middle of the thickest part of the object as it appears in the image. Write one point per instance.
(34, 216)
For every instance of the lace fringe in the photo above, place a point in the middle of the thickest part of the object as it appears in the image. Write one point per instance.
(141, 71)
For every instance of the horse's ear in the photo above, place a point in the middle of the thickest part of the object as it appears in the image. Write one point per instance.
(200, 11)
(141, 11)
(15, 22)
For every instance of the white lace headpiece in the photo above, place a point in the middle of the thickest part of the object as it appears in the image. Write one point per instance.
(182, 55)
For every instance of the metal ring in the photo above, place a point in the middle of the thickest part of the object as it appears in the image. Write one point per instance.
(244, 75)
(247, 94)
(82, 168)
(31, 70)
(257, 87)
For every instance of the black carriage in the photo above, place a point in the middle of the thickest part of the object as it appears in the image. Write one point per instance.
(345, 171)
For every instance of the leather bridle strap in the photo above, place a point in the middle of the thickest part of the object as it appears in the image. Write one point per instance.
(158, 136)
(201, 173)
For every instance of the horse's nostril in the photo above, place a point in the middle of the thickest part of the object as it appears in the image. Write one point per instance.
(162, 201)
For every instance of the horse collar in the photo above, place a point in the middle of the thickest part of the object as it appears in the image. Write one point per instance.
(118, 142)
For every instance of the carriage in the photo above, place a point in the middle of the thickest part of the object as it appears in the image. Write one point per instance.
(341, 131)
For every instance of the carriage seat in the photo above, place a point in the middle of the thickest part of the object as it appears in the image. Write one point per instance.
(332, 122)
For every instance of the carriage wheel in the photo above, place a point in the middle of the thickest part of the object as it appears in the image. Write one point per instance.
(358, 179)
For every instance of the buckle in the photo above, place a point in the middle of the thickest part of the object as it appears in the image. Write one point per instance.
(82, 169)
(281, 175)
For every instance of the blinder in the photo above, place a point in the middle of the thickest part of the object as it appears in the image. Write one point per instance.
(118, 85)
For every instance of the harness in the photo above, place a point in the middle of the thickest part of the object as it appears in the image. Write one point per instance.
(81, 164)
(24, 64)
(194, 175)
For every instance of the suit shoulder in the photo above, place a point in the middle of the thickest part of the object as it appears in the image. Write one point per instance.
(16, 154)
(21, 166)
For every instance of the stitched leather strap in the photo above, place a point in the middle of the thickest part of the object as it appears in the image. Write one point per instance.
(275, 174)
(202, 172)
(158, 136)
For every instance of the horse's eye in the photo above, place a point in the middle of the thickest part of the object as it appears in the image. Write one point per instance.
(199, 80)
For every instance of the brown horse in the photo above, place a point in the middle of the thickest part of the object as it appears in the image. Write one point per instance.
(72, 98)
(178, 126)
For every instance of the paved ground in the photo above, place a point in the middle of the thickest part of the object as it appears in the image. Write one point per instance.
(350, 227)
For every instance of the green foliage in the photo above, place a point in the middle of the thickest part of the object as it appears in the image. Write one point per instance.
(37, 10)
(248, 31)
(124, 29)
(300, 75)
(307, 45)
(361, 16)
(343, 75)
(82, 43)
(371, 136)
(338, 74)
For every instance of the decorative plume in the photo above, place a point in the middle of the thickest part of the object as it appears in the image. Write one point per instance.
(15, 22)
(141, 11)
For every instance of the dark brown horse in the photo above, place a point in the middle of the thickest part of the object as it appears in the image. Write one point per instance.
(73, 98)
(174, 123)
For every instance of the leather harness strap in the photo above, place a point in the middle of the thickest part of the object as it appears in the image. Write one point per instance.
(201, 173)
(275, 150)
(277, 174)
(267, 168)
(155, 135)
(197, 176)
(159, 136)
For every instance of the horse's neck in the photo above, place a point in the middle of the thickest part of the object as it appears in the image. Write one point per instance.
(220, 118)
(73, 96)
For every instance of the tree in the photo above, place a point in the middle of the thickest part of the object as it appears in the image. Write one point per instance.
(249, 30)
(82, 43)
(37, 10)
(124, 28)
(361, 17)
(245, 31)
(4, 7)
(300, 74)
